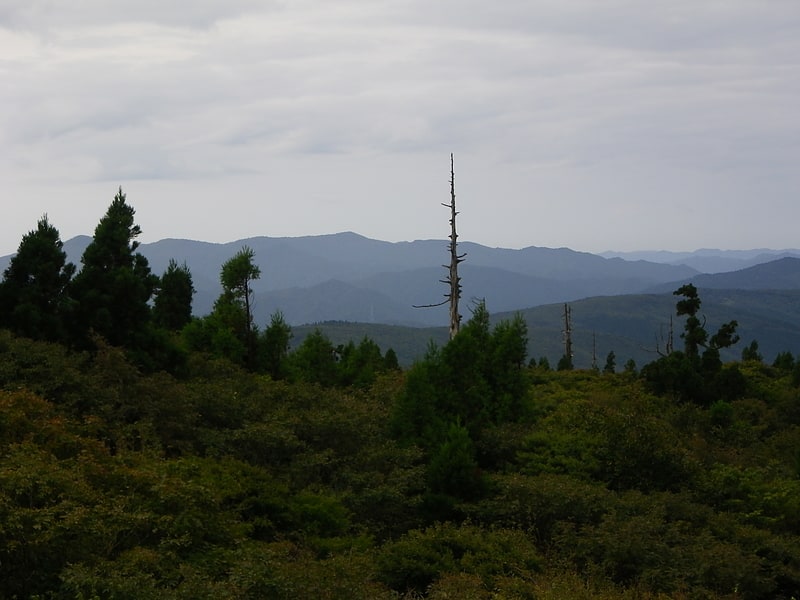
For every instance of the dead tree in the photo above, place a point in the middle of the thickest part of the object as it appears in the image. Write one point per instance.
(453, 281)
(668, 341)
(568, 334)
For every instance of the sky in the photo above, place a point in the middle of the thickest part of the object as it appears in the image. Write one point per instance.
(616, 125)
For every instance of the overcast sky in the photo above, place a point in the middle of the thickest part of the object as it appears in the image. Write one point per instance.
(596, 125)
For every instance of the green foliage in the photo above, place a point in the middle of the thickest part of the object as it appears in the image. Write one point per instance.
(314, 360)
(540, 505)
(215, 334)
(421, 557)
(453, 469)
(34, 293)
(616, 440)
(47, 369)
(234, 306)
(694, 335)
(114, 285)
(319, 516)
(784, 361)
(274, 346)
(668, 543)
(690, 375)
(611, 363)
(172, 307)
(390, 361)
(565, 363)
(678, 374)
(360, 365)
(478, 379)
(238, 273)
(226, 483)
(228, 332)
(750, 352)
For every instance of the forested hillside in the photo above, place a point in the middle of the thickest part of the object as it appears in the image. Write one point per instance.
(146, 453)
(633, 326)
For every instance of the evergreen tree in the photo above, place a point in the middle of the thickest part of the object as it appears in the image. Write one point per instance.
(611, 363)
(359, 365)
(390, 361)
(478, 380)
(564, 363)
(274, 346)
(172, 308)
(690, 374)
(784, 361)
(506, 371)
(315, 360)
(236, 277)
(115, 285)
(229, 330)
(694, 335)
(453, 469)
(751, 352)
(34, 299)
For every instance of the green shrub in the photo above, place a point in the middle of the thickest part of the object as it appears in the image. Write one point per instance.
(420, 558)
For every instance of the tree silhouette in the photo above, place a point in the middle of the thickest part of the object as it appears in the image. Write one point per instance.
(172, 307)
(34, 299)
(115, 284)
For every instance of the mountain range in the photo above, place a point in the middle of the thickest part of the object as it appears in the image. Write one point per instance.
(708, 260)
(346, 276)
(621, 301)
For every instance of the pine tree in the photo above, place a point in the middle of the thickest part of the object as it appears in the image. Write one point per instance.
(478, 379)
(611, 363)
(314, 360)
(172, 307)
(115, 285)
(274, 346)
(229, 330)
(236, 277)
(34, 300)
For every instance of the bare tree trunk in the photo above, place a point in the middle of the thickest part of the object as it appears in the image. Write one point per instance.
(670, 337)
(453, 279)
(568, 333)
(668, 343)
(248, 309)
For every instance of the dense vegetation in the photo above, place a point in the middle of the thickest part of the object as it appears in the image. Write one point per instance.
(202, 459)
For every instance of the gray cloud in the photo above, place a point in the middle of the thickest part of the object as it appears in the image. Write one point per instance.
(563, 112)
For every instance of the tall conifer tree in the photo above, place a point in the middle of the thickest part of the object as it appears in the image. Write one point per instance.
(34, 298)
(172, 307)
(115, 284)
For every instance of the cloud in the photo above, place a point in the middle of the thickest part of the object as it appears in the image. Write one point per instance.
(575, 98)
(54, 15)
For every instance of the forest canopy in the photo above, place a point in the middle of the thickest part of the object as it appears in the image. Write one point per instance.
(145, 453)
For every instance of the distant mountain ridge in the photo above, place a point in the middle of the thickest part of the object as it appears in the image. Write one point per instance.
(708, 260)
(780, 274)
(351, 286)
(348, 277)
